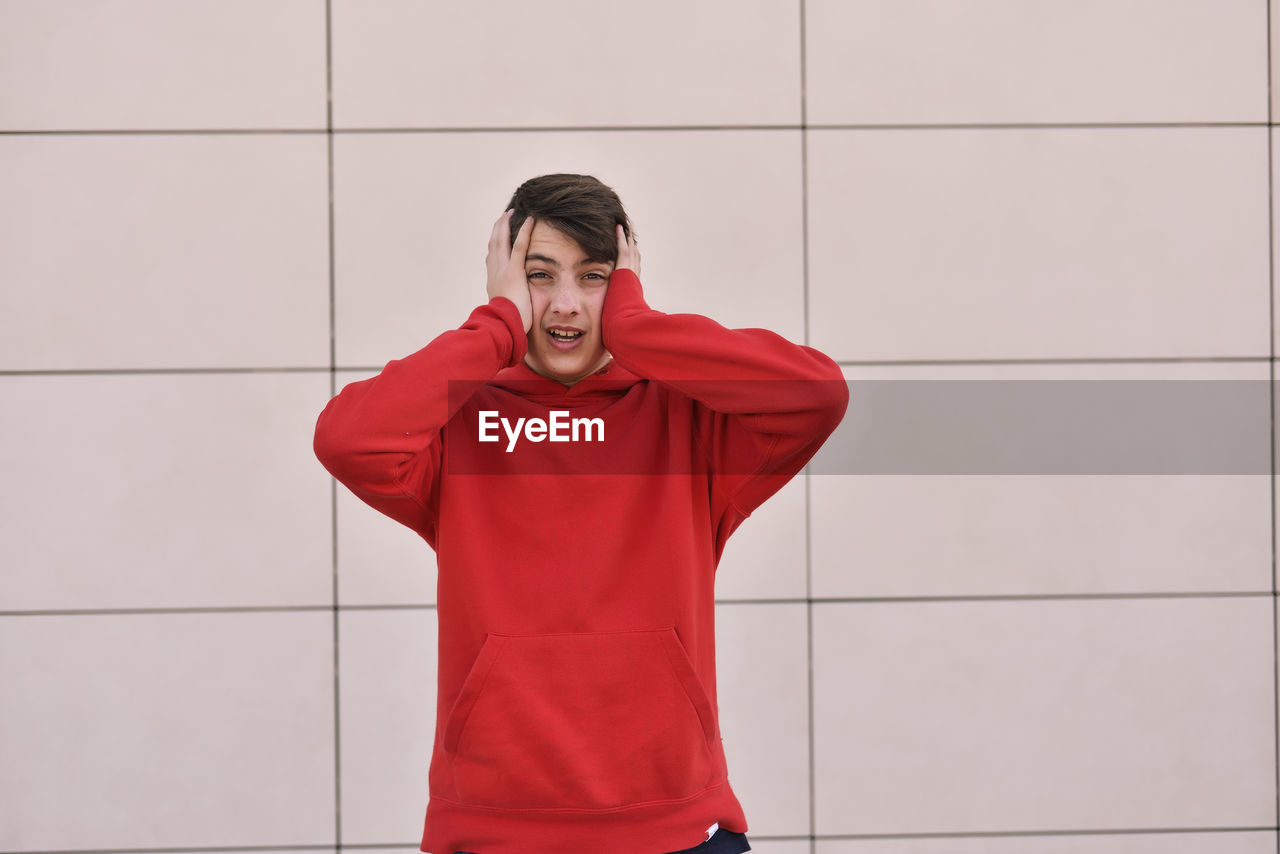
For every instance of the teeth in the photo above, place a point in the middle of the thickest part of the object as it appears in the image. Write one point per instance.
(564, 336)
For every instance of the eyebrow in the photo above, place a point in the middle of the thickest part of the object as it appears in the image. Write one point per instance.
(551, 262)
(543, 258)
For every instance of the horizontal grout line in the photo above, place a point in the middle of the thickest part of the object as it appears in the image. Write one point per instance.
(1035, 125)
(753, 836)
(1016, 834)
(817, 600)
(377, 845)
(319, 131)
(317, 847)
(93, 372)
(210, 609)
(573, 129)
(1028, 597)
(424, 606)
(169, 132)
(807, 126)
(324, 369)
(1089, 360)
(995, 834)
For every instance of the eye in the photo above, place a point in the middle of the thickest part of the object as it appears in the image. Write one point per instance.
(537, 274)
(596, 278)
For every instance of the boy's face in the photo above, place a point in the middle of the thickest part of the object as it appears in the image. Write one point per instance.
(567, 293)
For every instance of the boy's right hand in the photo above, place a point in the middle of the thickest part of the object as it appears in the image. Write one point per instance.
(505, 266)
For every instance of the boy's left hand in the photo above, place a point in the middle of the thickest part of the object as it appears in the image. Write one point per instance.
(628, 253)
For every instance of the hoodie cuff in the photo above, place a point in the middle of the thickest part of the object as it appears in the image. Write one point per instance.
(625, 294)
(506, 312)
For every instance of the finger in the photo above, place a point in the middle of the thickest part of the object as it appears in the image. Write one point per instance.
(624, 250)
(501, 234)
(521, 246)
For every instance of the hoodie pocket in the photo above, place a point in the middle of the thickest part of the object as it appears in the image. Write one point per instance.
(586, 721)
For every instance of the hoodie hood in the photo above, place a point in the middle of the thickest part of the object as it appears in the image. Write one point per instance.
(612, 380)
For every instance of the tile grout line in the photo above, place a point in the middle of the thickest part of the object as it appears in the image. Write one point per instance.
(174, 610)
(808, 620)
(192, 371)
(1064, 360)
(333, 367)
(1049, 834)
(835, 837)
(848, 363)
(834, 126)
(808, 495)
(333, 485)
(1271, 372)
(811, 601)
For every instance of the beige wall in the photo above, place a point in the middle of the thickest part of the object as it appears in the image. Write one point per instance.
(203, 644)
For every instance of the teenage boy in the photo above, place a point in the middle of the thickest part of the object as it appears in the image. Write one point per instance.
(578, 460)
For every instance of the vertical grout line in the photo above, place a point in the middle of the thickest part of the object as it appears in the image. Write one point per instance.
(808, 503)
(804, 172)
(808, 555)
(333, 486)
(1271, 393)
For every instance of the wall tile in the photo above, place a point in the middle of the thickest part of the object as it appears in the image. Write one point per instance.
(952, 717)
(559, 63)
(1198, 842)
(151, 64)
(1275, 616)
(380, 561)
(162, 731)
(413, 214)
(1001, 61)
(1275, 225)
(163, 252)
(168, 490)
(762, 687)
(1274, 16)
(1010, 534)
(780, 846)
(1068, 243)
(766, 557)
(387, 676)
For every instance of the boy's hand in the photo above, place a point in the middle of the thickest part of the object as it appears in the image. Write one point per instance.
(628, 253)
(505, 266)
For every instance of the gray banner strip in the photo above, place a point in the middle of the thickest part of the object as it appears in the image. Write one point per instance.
(1066, 427)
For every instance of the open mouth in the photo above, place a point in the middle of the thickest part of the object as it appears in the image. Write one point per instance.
(565, 336)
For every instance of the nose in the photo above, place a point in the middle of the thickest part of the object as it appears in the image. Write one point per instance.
(564, 299)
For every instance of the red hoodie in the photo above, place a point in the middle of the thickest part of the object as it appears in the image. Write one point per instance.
(577, 684)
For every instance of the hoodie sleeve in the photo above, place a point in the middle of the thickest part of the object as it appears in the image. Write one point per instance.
(380, 437)
(768, 404)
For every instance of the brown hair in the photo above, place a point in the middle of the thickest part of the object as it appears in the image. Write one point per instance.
(579, 206)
